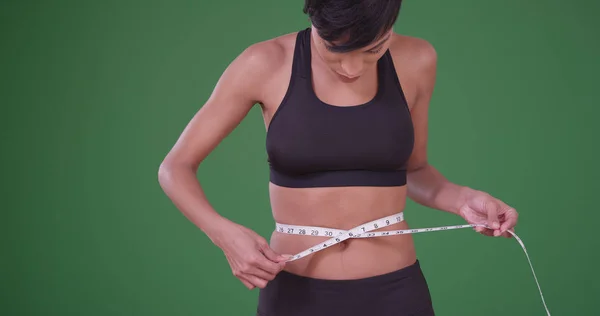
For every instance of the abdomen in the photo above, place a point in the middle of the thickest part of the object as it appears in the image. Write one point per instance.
(341, 208)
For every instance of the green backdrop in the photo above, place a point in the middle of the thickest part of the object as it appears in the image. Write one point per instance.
(94, 94)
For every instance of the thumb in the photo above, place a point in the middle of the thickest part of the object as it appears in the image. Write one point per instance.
(272, 255)
(492, 213)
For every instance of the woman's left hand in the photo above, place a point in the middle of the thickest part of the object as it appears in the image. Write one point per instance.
(478, 207)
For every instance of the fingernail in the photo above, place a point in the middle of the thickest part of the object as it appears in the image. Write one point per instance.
(495, 225)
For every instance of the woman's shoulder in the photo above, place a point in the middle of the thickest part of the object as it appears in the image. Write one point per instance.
(259, 67)
(415, 61)
(413, 52)
(270, 55)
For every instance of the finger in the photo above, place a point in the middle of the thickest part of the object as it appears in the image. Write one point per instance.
(240, 275)
(487, 232)
(272, 255)
(267, 265)
(499, 233)
(255, 281)
(262, 274)
(484, 230)
(246, 283)
(491, 208)
(507, 234)
(510, 221)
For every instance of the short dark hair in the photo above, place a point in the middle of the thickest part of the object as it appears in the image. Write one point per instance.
(357, 22)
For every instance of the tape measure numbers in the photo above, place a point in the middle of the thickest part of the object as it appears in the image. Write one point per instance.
(366, 230)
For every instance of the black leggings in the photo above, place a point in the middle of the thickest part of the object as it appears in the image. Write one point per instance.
(400, 293)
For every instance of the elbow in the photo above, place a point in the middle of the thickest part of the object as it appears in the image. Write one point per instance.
(414, 168)
(165, 175)
(169, 171)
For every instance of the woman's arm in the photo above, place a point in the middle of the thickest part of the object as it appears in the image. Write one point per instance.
(426, 185)
(231, 100)
(239, 88)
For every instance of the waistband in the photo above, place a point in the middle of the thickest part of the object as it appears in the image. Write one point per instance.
(316, 283)
(402, 292)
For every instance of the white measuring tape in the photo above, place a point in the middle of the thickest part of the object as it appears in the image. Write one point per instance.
(366, 231)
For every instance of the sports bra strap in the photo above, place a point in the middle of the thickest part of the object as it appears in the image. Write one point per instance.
(302, 55)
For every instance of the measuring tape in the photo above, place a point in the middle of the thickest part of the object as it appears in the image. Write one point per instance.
(366, 231)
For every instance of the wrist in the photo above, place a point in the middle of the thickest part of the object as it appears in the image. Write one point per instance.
(461, 198)
(216, 229)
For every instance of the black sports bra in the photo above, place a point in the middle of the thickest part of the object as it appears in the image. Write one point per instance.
(313, 144)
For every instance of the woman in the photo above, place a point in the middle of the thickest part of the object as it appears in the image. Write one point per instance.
(345, 104)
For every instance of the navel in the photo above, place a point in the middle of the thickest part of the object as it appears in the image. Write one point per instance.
(344, 244)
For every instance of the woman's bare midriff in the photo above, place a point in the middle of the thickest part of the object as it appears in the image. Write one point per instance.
(341, 208)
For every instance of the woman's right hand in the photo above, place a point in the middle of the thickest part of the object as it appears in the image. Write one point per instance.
(251, 258)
